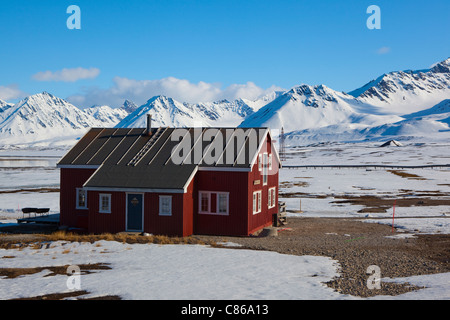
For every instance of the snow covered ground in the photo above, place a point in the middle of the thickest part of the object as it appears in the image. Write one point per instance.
(28, 178)
(183, 272)
(202, 272)
(172, 272)
(412, 152)
(318, 191)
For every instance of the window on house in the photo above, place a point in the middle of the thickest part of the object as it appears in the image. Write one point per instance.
(222, 203)
(260, 162)
(256, 202)
(265, 168)
(270, 161)
(104, 203)
(214, 202)
(269, 202)
(272, 197)
(204, 202)
(165, 205)
(81, 199)
(259, 202)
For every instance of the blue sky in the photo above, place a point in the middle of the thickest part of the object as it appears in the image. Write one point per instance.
(206, 50)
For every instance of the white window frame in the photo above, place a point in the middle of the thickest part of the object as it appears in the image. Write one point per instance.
(272, 197)
(161, 200)
(217, 193)
(265, 168)
(100, 200)
(270, 161)
(260, 157)
(257, 197)
(77, 204)
(269, 199)
(200, 202)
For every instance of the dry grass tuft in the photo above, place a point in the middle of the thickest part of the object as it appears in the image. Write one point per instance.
(406, 175)
(43, 241)
(11, 273)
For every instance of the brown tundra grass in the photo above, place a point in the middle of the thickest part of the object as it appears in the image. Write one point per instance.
(119, 237)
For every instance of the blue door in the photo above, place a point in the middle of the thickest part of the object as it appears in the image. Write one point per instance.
(135, 207)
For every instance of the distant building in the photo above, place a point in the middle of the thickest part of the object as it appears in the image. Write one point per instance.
(391, 143)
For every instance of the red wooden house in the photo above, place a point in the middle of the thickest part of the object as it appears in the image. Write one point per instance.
(177, 182)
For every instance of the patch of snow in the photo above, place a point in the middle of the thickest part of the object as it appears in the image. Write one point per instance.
(402, 236)
(173, 272)
(436, 287)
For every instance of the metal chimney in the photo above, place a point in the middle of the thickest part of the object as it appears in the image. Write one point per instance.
(149, 124)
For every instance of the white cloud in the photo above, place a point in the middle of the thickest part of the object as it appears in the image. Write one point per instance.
(67, 75)
(11, 92)
(384, 50)
(182, 90)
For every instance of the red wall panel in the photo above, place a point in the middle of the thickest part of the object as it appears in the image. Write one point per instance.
(153, 222)
(163, 225)
(235, 223)
(188, 210)
(107, 222)
(70, 179)
(255, 183)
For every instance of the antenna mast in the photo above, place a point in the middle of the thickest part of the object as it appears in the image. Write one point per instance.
(282, 147)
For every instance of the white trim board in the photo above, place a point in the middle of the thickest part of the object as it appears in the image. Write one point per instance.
(134, 190)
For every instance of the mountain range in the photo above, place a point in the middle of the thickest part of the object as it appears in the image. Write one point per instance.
(401, 104)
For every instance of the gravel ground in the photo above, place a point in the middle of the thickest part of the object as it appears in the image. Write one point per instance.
(356, 245)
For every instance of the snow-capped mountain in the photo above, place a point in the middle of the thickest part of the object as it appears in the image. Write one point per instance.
(439, 111)
(261, 102)
(166, 111)
(224, 113)
(129, 106)
(5, 109)
(3, 104)
(307, 107)
(430, 124)
(107, 116)
(400, 104)
(317, 113)
(44, 117)
(404, 92)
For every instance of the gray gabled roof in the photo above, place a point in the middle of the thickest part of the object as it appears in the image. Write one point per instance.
(129, 158)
